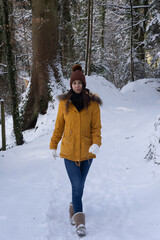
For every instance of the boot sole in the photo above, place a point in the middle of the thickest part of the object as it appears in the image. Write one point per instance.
(81, 230)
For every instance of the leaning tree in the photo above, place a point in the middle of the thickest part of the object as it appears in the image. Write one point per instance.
(45, 58)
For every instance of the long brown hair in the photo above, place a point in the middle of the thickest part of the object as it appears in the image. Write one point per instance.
(85, 96)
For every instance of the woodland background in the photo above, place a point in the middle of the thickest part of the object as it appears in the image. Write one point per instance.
(40, 40)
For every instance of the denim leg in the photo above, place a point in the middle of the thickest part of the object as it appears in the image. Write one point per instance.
(77, 176)
(84, 168)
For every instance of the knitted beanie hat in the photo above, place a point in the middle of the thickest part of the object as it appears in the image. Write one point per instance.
(77, 75)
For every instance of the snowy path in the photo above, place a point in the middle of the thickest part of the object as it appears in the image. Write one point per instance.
(121, 197)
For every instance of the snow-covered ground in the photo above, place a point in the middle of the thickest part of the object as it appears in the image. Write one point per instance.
(122, 192)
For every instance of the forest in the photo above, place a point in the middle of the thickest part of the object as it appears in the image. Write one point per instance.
(41, 40)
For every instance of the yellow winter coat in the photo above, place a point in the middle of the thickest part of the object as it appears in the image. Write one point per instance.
(79, 129)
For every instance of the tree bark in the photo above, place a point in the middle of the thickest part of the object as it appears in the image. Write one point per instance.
(103, 26)
(45, 58)
(88, 36)
(3, 130)
(131, 41)
(90, 39)
(143, 32)
(66, 38)
(12, 76)
(139, 28)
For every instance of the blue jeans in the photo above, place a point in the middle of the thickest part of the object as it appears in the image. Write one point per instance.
(77, 176)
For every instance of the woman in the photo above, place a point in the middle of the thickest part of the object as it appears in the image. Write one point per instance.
(78, 120)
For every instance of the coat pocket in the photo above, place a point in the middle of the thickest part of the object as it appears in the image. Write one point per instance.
(68, 147)
(68, 138)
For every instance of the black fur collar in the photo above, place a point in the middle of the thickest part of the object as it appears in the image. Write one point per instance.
(93, 97)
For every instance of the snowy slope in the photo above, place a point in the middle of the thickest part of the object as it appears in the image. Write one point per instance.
(121, 197)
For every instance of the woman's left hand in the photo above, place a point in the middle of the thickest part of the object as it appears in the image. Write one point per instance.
(94, 149)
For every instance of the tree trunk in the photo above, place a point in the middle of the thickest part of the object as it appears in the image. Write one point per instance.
(12, 76)
(66, 38)
(143, 32)
(139, 17)
(131, 41)
(27, 64)
(90, 40)
(3, 130)
(45, 58)
(88, 36)
(103, 27)
(1, 34)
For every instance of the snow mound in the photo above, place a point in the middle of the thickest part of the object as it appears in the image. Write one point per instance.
(105, 89)
(143, 90)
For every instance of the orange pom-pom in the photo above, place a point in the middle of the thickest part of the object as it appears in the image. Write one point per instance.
(76, 67)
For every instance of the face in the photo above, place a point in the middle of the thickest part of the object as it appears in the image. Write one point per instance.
(77, 86)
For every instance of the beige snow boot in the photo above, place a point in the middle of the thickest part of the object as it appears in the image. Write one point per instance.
(79, 219)
(71, 213)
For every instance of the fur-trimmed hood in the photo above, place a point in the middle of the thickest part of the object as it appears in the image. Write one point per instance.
(92, 96)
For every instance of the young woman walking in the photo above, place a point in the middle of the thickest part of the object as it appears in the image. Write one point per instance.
(78, 123)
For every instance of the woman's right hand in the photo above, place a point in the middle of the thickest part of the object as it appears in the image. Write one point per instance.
(54, 153)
